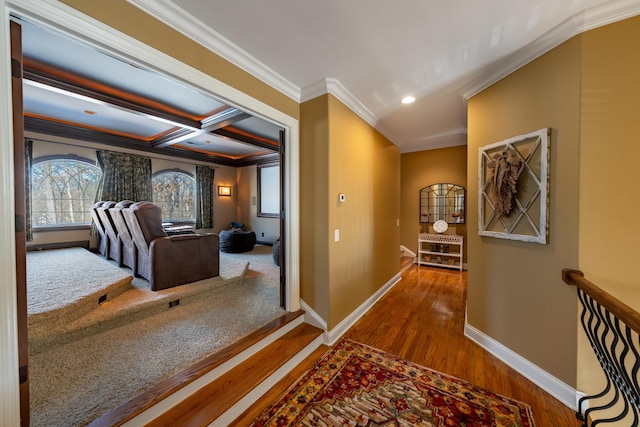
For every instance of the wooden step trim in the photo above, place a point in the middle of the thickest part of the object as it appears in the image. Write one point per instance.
(277, 390)
(233, 392)
(168, 393)
(252, 397)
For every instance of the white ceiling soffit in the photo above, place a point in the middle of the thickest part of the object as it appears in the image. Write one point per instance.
(408, 130)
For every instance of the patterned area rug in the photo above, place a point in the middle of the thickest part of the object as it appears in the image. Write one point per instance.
(357, 385)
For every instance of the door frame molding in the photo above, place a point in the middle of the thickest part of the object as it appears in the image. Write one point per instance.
(9, 381)
(63, 18)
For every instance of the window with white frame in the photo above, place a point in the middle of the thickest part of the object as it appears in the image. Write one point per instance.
(63, 190)
(174, 191)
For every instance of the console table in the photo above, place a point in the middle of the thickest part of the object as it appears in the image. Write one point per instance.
(440, 250)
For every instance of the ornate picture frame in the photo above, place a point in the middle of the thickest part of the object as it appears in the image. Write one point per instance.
(513, 188)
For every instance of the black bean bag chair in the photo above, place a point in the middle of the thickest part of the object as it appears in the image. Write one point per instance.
(237, 241)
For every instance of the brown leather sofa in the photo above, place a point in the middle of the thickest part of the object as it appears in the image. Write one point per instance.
(168, 261)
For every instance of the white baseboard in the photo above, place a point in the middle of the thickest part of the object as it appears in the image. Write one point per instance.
(336, 333)
(406, 251)
(552, 385)
(331, 337)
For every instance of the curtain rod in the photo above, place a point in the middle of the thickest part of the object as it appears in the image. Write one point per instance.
(93, 144)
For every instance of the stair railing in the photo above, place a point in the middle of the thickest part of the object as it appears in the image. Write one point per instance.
(613, 330)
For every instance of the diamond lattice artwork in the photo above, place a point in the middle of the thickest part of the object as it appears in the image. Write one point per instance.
(514, 188)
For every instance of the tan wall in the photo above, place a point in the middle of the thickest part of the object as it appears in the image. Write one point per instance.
(365, 166)
(314, 204)
(609, 153)
(132, 21)
(266, 229)
(342, 154)
(515, 292)
(225, 208)
(423, 168)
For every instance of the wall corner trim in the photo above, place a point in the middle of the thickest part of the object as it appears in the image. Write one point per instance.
(337, 89)
(565, 394)
(407, 251)
(312, 317)
(331, 337)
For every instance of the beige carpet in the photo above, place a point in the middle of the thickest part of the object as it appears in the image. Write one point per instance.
(64, 284)
(138, 302)
(75, 383)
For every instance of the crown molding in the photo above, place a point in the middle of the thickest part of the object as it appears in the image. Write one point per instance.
(448, 139)
(337, 89)
(608, 13)
(172, 15)
(177, 18)
(598, 16)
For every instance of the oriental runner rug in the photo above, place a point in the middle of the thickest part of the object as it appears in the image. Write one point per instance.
(357, 385)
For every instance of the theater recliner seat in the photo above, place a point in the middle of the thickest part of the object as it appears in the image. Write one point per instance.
(110, 231)
(102, 234)
(126, 247)
(168, 261)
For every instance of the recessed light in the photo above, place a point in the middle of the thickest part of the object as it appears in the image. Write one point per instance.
(89, 112)
(408, 99)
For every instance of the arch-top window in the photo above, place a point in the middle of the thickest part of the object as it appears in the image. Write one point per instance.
(174, 191)
(63, 191)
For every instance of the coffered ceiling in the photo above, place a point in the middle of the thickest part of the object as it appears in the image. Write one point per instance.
(73, 90)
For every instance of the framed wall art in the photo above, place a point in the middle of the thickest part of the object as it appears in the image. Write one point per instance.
(513, 188)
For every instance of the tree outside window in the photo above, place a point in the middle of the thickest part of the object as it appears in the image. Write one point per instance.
(174, 192)
(63, 191)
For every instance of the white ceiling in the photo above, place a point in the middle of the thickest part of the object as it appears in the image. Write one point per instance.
(371, 53)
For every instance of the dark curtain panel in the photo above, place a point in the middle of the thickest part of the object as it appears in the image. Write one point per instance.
(124, 177)
(28, 160)
(204, 196)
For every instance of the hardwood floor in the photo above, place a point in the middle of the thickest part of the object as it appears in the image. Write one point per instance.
(422, 320)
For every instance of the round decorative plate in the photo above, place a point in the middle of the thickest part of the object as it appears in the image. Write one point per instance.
(440, 226)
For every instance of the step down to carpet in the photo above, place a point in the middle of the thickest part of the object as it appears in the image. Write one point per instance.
(228, 396)
(170, 393)
(129, 306)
